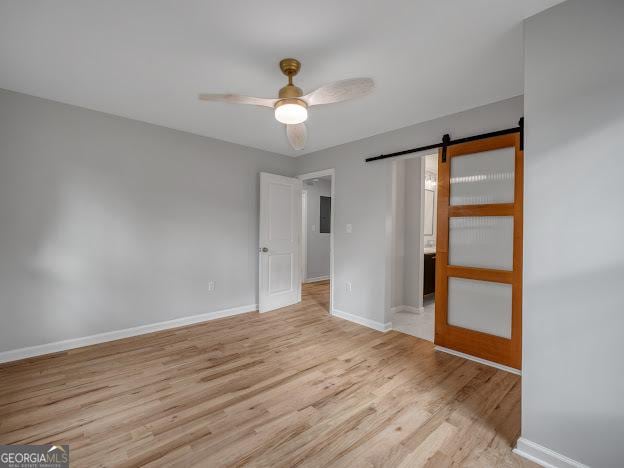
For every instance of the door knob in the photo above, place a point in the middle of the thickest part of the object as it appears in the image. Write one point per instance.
(264, 249)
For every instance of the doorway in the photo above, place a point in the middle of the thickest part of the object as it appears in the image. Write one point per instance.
(429, 217)
(317, 237)
(414, 233)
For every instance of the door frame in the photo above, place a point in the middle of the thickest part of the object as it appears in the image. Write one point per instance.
(421, 155)
(314, 175)
(421, 284)
(304, 236)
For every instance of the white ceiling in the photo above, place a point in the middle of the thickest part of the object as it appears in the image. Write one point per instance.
(148, 59)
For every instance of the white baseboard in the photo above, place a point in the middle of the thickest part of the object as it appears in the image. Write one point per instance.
(39, 350)
(478, 359)
(318, 278)
(544, 456)
(413, 310)
(406, 308)
(382, 327)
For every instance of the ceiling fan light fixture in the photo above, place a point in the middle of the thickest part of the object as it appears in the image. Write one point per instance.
(291, 111)
(291, 105)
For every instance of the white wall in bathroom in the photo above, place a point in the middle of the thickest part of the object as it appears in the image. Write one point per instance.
(430, 211)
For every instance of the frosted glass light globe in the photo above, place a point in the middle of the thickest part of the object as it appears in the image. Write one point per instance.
(291, 113)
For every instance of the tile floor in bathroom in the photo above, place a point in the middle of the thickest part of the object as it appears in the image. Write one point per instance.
(420, 325)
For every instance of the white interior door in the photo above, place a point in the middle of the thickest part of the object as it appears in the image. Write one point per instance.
(280, 251)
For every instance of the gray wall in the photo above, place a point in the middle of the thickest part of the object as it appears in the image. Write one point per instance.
(412, 280)
(108, 223)
(318, 244)
(406, 253)
(398, 234)
(363, 198)
(573, 320)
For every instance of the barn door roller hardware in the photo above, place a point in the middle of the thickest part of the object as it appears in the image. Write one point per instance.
(446, 142)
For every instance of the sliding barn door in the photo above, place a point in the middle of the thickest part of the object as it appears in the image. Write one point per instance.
(478, 303)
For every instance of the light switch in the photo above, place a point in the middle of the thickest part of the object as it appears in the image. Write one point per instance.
(349, 228)
(314, 228)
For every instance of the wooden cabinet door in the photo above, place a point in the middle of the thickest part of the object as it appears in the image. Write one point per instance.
(429, 276)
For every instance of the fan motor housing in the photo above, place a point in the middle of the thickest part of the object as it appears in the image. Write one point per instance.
(290, 91)
(299, 102)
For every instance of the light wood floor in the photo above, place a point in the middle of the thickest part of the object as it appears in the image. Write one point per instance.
(294, 387)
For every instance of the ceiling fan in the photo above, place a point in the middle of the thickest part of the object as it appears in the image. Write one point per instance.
(291, 105)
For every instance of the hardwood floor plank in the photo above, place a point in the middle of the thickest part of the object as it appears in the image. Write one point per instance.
(294, 387)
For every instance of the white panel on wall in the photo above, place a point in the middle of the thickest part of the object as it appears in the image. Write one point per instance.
(480, 305)
(482, 242)
(483, 178)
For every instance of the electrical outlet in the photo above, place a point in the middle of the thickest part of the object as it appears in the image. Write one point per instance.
(349, 228)
(211, 285)
(348, 286)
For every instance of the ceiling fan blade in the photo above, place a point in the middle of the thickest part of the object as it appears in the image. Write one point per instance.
(340, 91)
(297, 135)
(237, 99)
